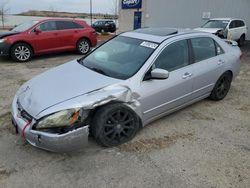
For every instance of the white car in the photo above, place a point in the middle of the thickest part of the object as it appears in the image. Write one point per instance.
(231, 29)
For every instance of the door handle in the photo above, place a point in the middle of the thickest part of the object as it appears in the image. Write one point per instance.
(220, 62)
(187, 75)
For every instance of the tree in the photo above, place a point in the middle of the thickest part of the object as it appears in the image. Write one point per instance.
(3, 11)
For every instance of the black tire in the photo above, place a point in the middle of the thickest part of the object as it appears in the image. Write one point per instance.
(21, 52)
(114, 124)
(241, 41)
(221, 87)
(83, 46)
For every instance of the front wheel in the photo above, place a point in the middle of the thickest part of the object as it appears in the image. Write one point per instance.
(115, 124)
(83, 46)
(221, 87)
(21, 52)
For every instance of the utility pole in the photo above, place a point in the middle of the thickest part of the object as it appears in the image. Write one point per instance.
(90, 12)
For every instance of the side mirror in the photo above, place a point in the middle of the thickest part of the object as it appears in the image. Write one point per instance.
(37, 31)
(160, 74)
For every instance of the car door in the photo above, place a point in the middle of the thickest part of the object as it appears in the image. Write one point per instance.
(232, 31)
(208, 65)
(46, 39)
(67, 32)
(159, 96)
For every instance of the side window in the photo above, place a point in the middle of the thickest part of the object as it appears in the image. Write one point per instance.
(62, 25)
(173, 57)
(241, 23)
(219, 50)
(47, 26)
(204, 48)
(232, 25)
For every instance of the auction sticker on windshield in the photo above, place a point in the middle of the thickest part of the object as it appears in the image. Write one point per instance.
(149, 45)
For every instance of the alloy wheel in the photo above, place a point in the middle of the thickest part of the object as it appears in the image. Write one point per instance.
(22, 53)
(119, 126)
(223, 87)
(84, 47)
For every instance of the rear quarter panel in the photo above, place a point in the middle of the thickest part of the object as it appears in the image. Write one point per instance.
(232, 58)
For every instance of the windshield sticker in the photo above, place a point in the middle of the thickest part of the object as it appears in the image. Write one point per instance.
(149, 45)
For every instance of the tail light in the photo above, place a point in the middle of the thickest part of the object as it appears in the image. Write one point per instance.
(241, 56)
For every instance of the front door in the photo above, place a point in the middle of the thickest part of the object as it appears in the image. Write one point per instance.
(137, 20)
(159, 96)
(47, 39)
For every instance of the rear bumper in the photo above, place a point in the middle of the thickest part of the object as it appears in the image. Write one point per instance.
(4, 49)
(70, 141)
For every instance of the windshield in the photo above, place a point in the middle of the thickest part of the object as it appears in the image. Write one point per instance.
(120, 58)
(24, 26)
(216, 24)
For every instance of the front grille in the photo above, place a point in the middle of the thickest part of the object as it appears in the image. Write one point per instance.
(22, 113)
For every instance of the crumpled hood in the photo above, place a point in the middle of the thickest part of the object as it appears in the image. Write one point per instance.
(60, 84)
(9, 33)
(208, 30)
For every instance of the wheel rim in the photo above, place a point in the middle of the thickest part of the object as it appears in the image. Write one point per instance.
(84, 47)
(223, 87)
(119, 126)
(22, 53)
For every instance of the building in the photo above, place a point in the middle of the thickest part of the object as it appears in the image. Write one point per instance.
(179, 13)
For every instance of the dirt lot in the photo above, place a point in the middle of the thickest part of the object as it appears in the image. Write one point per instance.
(205, 145)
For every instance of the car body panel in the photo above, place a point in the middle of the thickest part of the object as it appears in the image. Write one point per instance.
(209, 30)
(76, 77)
(60, 88)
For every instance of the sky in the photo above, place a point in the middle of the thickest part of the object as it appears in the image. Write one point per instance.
(99, 6)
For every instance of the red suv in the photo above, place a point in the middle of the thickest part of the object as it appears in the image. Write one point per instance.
(46, 36)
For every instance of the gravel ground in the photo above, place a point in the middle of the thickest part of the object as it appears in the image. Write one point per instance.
(205, 145)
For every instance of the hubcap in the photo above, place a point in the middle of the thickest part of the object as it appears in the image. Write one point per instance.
(119, 126)
(84, 47)
(22, 53)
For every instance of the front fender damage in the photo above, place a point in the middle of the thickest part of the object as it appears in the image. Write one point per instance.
(78, 138)
(117, 93)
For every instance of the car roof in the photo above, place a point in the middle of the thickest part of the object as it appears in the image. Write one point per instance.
(226, 19)
(222, 19)
(60, 19)
(157, 35)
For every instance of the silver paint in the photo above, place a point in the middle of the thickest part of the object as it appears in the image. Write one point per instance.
(72, 86)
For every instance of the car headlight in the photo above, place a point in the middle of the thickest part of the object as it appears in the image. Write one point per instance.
(62, 119)
(2, 40)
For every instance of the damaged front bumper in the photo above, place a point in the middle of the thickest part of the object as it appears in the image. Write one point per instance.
(70, 141)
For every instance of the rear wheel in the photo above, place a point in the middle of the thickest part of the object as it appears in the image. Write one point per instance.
(221, 87)
(83, 46)
(241, 41)
(21, 52)
(115, 124)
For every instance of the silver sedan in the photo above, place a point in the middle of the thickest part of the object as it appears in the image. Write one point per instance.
(123, 85)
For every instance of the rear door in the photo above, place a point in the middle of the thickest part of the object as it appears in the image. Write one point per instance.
(159, 96)
(47, 39)
(208, 64)
(67, 34)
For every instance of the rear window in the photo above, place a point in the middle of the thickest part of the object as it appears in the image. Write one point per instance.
(240, 23)
(204, 48)
(63, 25)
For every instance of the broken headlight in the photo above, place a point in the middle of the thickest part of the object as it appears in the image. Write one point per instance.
(63, 118)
